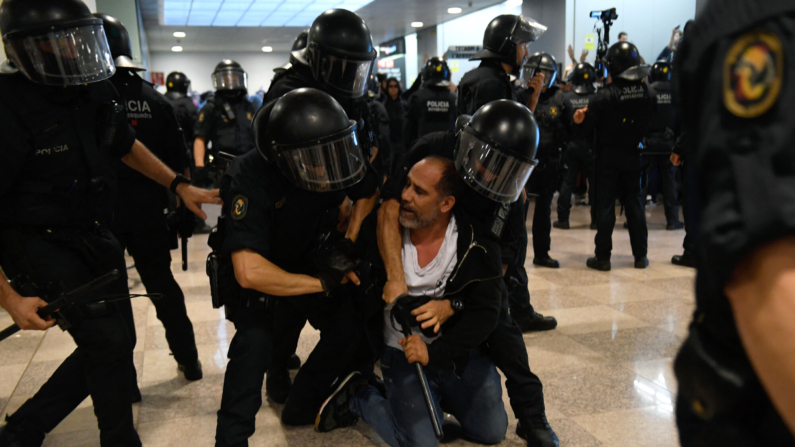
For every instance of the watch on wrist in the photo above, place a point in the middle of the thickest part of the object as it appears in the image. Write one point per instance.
(457, 305)
(177, 180)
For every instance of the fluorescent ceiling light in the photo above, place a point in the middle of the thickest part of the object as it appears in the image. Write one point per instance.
(299, 13)
(179, 34)
(511, 3)
(267, 49)
(454, 10)
(176, 48)
(417, 24)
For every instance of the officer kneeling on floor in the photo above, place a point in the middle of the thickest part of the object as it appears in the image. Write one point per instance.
(268, 246)
(445, 256)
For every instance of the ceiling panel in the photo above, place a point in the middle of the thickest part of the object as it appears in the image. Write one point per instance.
(276, 23)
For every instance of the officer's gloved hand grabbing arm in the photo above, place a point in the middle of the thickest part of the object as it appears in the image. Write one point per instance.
(335, 263)
(143, 161)
(23, 309)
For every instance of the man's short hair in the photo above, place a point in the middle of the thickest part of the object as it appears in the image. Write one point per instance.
(621, 34)
(450, 183)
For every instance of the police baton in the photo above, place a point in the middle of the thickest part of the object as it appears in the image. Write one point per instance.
(405, 327)
(67, 299)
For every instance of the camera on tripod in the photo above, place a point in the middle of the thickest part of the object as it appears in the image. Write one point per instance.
(606, 17)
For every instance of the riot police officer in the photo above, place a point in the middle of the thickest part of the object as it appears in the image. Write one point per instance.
(275, 202)
(432, 107)
(504, 52)
(298, 44)
(660, 139)
(506, 128)
(337, 60)
(57, 182)
(551, 113)
(735, 369)
(226, 118)
(139, 221)
(177, 86)
(619, 113)
(578, 156)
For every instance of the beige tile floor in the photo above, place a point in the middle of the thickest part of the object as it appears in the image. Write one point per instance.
(606, 369)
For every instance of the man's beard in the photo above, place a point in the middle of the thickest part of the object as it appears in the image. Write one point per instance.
(417, 221)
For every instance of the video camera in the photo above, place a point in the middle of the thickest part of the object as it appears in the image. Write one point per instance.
(606, 17)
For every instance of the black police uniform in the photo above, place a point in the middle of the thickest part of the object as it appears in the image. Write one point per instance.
(187, 115)
(551, 113)
(269, 215)
(139, 214)
(506, 347)
(430, 109)
(292, 315)
(56, 186)
(226, 122)
(685, 193)
(578, 156)
(488, 82)
(659, 142)
(383, 159)
(739, 146)
(619, 113)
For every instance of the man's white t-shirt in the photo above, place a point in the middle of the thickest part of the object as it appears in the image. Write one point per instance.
(429, 280)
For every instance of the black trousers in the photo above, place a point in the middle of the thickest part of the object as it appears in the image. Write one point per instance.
(507, 349)
(578, 158)
(341, 337)
(543, 186)
(689, 243)
(515, 279)
(667, 175)
(619, 176)
(151, 251)
(102, 364)
(249, 357)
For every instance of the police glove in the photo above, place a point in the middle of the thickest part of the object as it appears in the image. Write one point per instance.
(335, 259)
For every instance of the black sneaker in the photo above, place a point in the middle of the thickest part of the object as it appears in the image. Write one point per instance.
(294, 362)
(535, 322)
(593, 226)
(546, 262)
(597, 264)
(537, 432)
(684, 260)
(641, 263)
(19, 435)
(562, 224)
(336, 412)
(192, 372)
(278, 384)
(675, 226)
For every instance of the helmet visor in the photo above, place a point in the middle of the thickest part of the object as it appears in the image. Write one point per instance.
(323, 167)
(71, 56)
(528, 71)
(489, 171)
(527, 30)
(348, 76)
(230, 80)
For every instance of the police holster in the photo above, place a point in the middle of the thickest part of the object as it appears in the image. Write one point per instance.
(722, 399)
(223, 285)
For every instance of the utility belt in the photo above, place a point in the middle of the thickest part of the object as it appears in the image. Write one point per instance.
(722, 391)
(224, 288)
(661, 143)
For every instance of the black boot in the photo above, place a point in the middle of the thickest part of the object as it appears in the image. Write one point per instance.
(278, 384)
(597, 264)
(641, 262)
(192, 372)
(562, 224)
(294, 362)
(535, 322)
(546, 262)
(674, 226)
(537, 432)
(684, 260)
(19, 435)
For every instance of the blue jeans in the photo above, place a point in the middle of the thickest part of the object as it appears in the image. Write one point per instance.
(402, 420)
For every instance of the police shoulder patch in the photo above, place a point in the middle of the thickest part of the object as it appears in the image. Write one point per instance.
(239, 207)
(753, 73)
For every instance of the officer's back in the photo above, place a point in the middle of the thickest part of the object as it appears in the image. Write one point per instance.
(621, 112)
(662, 128)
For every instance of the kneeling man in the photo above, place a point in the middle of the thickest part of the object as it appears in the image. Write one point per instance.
(445, 257)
